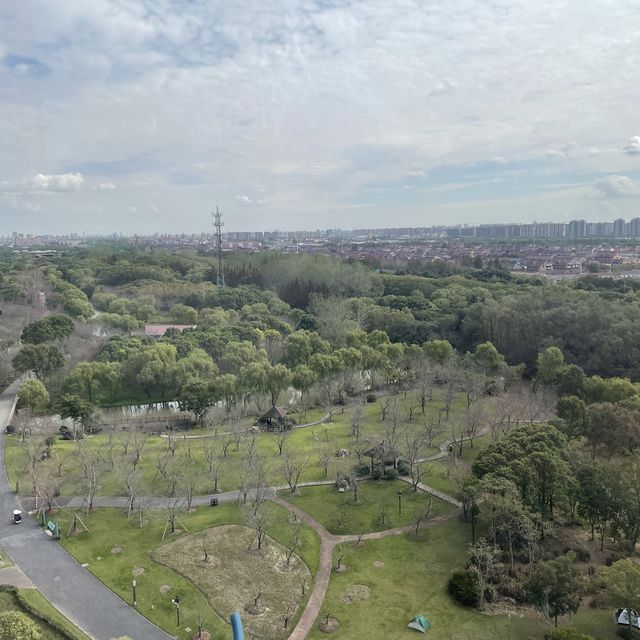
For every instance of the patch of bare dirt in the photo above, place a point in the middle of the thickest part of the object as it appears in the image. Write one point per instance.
(342, 568)
(378, 563)
(355, 593)
(137, 571)
(329, 625)
(205, 635)
(165, 588)
(116, 550)
(236, 571)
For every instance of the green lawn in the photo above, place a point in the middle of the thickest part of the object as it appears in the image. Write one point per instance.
(308, 442)
(38, 609)
(110, 530)
(340, 514)
(413, 581)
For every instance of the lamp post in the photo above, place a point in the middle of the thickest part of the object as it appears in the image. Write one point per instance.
(399, 503)
(176, 602)
(133, 589)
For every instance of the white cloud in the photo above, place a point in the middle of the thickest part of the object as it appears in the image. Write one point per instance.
(106, 187)
(633, 146)
(133, 210)
(153, 208)
(319, 106)
(57, 182)
(617, 187)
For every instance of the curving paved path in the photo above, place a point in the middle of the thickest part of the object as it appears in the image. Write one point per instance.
(328, 541)
(69, 587)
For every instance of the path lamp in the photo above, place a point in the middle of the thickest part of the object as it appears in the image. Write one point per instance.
(399, 502)
(176, 602)
(133, 588)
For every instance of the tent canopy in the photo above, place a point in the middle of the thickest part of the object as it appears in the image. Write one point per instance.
(419, 623)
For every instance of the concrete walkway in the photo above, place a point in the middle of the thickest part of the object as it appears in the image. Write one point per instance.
(15, 577)
(75, 592)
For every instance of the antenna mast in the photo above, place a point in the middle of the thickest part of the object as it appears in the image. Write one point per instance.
(217, 223)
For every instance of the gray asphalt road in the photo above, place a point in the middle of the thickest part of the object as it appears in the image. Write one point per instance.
(68, 586)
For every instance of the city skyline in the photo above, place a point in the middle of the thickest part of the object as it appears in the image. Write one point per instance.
(316, 114)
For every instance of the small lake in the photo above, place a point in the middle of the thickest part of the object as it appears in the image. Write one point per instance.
(130, 410)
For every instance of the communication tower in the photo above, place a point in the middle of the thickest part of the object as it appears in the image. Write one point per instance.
(217, 223)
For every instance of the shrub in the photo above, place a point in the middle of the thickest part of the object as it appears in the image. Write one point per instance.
(391, 474)
(582, 553)
(510, 587)
(464, 587)
(371, 397)
(626, 634)
(567, 634)
(10, 429)
(404, 468)
(376, 474)
(361, 469)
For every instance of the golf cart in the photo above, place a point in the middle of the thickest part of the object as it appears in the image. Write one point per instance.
(17, 516)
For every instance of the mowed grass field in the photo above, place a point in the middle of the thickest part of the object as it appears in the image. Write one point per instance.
(407, 575)
(378, 507)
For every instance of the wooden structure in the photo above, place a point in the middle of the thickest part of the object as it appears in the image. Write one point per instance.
(382, 455)
(274, 419)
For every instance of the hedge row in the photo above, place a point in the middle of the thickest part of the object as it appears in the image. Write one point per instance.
(32, 611)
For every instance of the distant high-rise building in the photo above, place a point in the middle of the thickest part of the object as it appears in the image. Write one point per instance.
(619, 228)
(577, 229)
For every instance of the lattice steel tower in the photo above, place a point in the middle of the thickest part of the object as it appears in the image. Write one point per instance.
(217, 223)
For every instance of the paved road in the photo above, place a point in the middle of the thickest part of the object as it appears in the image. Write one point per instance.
(68, 586)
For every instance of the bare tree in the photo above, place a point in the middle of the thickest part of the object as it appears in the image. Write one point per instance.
(293, 467)
(172, 441)
(472, 422)
(343, 518)
(281, 439)
(294, 542)
(413, 446)
(452, 374)
(324, 458)
(131, 480)
(384, 406)
(138, 442)
(259, 520)
(421, 517)
(47, 486)
(172, 476)
(260, 491)
(143, 504)
(205, 545)
(89, 461)
(172, 511)
(286, 616)
(188, 484)
(357, 419)
(432, 429)
(424, 384)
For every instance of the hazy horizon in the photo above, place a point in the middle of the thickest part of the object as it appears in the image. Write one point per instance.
(138, 117)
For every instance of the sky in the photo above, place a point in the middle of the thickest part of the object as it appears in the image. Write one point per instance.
(139, 116)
